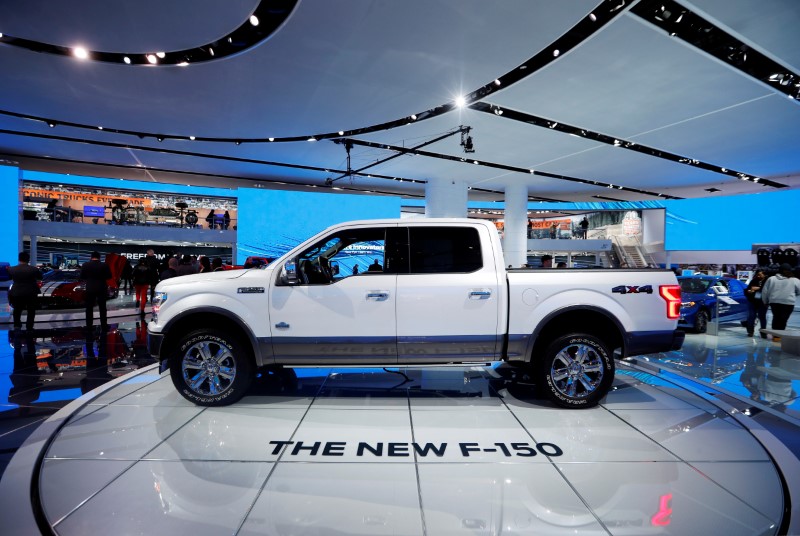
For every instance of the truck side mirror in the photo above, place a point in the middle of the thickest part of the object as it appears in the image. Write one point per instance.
(289, 273)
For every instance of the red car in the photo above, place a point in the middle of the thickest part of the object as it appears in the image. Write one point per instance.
(63, 289)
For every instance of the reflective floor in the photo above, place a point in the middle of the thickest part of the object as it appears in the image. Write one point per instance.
(689, 442)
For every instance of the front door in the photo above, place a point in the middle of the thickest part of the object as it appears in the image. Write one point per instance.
(342, 309)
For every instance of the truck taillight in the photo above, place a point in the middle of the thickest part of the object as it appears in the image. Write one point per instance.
(672, 294)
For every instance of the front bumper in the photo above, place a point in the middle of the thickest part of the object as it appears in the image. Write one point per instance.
(651, 342)
(154, 341)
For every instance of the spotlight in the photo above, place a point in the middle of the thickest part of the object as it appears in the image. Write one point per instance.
(191, 138)
(127, 60)
(80, 53)
(211, 51)
(271, 139)
(152, 59)
(253, 20)
(496, 82)
(160, 55)
(413, 117)
(460, 101)
(51, 124)
(160, 138)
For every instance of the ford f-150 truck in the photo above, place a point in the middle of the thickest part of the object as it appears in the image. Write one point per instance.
(410, 292)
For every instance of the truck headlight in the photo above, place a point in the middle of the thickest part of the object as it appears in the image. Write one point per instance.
(159, 300)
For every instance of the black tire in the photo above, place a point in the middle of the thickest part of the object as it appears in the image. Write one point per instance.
(701, 322)
(211, 368)
(576, 371)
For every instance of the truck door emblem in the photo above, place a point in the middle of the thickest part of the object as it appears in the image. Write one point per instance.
(250, 290)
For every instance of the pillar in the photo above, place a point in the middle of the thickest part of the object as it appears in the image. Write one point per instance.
(515, 244)
(445, 198)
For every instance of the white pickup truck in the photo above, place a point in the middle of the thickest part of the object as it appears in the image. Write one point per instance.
(421, 292)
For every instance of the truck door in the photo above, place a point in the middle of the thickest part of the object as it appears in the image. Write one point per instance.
(448, 302)
(341, 308)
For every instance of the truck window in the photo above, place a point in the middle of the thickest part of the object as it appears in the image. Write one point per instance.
(436, 250)
(341, 255)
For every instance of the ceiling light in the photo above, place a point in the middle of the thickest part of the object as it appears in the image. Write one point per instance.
(160, 138)
(461, 101)
(413, 117)
(160, 55)
(341, 132)
(556, 53)
(253, 20)
(191, 138)
(238, 142)
(152, 58)
(271, 139)
(211, 51)
(183, 64)
(592, 17)
(312, 138)
(99, 128)
(127, 60)
(496, 82)
(51, 124)
(80, 53)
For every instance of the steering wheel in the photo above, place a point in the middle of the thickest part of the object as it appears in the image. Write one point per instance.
(325, 268)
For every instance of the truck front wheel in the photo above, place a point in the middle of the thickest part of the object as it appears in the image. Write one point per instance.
(576, 371)
(211, 368)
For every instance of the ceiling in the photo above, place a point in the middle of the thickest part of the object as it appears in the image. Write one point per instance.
(599, 101)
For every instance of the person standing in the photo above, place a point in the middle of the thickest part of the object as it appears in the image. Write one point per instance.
(226, 220)
(152, 263)
(141, 283)
(24, 292)
(780, 293)
(95, 275)
(756, 307)
(584, 227)
(127, 277)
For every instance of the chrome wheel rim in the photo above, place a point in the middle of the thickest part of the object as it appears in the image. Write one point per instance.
(577, 371)
(208, 368)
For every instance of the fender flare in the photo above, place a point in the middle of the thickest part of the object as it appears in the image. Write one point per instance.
(236, 319)
(562, 310)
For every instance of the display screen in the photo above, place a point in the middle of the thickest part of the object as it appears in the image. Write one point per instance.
(94, 212)
(732, 222)
(279, 220)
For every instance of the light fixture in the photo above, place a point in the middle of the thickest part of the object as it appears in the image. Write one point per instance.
(160, 55)
(271, 139)
(152, 59)
(183, 64)
(99, 128)
(496, 82)
(211, 51)
(312, 138)
(253, 20)
(51, 124)
(341, 132)
(592, 17)
(556, 52)
(160, 138)
(127, 60)
(80, 53)
(238, 142)
(460, 101)
(191, 138)
(413, 117)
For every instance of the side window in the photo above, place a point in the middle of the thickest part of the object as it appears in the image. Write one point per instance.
(342, 255)
(436, 250)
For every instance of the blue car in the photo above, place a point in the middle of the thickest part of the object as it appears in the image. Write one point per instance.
(699, 301)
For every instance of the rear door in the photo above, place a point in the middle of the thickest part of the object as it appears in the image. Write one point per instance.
(448, 302)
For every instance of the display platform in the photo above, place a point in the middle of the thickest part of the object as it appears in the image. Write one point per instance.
(459, 450)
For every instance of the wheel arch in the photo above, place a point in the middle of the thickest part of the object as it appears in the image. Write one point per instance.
(576, 319)
(209, 317)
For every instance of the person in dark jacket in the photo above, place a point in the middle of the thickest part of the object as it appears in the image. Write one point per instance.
(127, 277)
(152, 262)
(95, 275)
(141, 282)
(25, 290)
(756, 307)
(185, 266)
(170, 270)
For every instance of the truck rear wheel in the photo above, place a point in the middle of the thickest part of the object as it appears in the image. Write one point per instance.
(576, 371)
(211, 368)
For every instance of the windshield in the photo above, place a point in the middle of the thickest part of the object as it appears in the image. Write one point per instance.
(694, 286)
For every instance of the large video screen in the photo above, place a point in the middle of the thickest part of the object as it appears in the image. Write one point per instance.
(274, 221)
(733, 222)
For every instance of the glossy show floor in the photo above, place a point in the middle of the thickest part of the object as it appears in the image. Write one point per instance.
(701, 441)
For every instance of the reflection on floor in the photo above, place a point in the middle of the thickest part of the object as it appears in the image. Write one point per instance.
(364, 451)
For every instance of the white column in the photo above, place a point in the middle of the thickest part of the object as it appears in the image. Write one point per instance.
(445, 198)
(515, 244)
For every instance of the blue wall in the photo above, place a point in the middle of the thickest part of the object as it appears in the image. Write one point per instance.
(274, 221)
(10, 214)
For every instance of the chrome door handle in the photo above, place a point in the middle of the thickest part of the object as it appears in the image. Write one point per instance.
(480, 294)
(377, 295)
